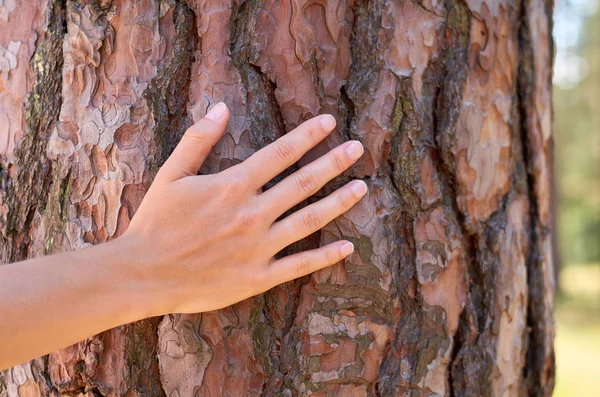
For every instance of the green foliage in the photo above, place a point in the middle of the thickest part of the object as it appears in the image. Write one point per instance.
(577, 148)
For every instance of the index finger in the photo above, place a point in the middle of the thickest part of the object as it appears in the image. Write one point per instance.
(274, 158)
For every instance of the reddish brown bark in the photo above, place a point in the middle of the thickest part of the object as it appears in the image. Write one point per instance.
(449, 292)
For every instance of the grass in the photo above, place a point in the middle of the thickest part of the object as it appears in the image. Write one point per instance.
(578, 332)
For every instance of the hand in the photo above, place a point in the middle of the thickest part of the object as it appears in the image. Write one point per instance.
(206, 242)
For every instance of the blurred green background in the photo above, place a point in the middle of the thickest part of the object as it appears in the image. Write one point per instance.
(577, 166)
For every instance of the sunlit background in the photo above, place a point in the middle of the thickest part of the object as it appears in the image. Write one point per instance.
(577, 149)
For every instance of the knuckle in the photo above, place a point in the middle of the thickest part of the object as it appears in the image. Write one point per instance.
(240, 184)
(331, 257)
(233, 185)
(342, 201)
(284, 151)
(174, 167)
(315, 134)
(303, 265)
(246, 219)
(196, 136)
(256, 277)
(310, 220)
(338, 163)
(306, 182)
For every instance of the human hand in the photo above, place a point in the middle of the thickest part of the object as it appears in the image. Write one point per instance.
(203, 242)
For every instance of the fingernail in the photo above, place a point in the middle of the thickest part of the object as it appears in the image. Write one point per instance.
(359, 188)
(216, 112)
(347, 248)
(328, 122)
(354, 150)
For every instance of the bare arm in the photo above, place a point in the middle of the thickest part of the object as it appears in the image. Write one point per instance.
(52, 302)
(197, 243)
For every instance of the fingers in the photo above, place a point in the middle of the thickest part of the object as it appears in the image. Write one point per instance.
(304, 263)
(310, 178)
(271, 160)
(195, 144)
(313, 217)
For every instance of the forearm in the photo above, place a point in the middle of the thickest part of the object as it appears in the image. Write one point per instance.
(52, 302)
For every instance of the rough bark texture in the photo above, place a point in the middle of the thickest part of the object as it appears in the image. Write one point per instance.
(450, 290)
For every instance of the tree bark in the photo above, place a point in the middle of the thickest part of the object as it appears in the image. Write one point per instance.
(450, 290)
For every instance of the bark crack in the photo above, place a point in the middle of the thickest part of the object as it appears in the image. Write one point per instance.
(534, 370)
(163, 94)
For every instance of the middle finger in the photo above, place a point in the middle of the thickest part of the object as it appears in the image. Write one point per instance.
(309, 179)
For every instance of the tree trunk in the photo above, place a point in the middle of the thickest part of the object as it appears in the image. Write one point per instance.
(450, 290)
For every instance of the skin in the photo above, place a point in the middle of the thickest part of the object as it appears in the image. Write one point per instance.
(197, 243)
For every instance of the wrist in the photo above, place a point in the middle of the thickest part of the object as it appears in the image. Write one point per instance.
(124, 268)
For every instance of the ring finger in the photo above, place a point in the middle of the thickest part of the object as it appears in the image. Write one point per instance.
(313, 217)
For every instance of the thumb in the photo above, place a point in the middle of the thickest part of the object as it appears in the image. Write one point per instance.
(196, 143)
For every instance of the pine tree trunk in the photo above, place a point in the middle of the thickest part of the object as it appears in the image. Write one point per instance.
(450, 290)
